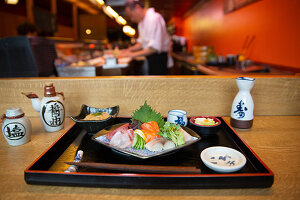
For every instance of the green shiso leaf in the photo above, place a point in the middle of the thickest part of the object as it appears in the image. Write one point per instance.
(146, 114)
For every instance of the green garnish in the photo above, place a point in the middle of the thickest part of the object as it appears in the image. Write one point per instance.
(171, 131)
(97, 114)
(138, 142)
(146, 114)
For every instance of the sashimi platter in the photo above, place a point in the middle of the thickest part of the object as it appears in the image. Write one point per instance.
(147, 135)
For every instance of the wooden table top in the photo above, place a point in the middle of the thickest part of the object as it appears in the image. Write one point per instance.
(275, 139)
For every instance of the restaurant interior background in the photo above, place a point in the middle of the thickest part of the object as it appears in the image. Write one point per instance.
(215, 37)
(223, 38)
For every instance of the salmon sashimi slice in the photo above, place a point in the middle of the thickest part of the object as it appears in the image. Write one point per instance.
(151, 126)
(149, 135)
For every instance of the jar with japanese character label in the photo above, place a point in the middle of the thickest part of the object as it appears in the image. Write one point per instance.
(243, 106)
(51, 108)
(16, 127)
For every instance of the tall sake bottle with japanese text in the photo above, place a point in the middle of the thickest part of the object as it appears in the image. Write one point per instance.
(51, 108)
(243, 106)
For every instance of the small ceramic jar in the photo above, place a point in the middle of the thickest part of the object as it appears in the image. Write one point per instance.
(51, 108)
(16, 128)
(177, 117)
(243, 105)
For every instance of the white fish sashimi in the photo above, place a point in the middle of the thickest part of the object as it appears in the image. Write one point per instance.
(156, 144)
(169, 145)
(120, 140)
(156, 147)
(160, 144)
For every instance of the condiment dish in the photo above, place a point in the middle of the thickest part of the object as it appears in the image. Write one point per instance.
(223, 159)
(205, 131)
(93, 126)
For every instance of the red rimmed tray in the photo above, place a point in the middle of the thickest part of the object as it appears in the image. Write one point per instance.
(255, 174)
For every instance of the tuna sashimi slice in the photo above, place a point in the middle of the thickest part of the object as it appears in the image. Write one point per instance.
(122, 128)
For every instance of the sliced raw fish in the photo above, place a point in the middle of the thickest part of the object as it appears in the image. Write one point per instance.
(156, 144)
(121, 128)
(169, 145)
(130, 133)
(155, 147)
(121, 140)
(150, 135)
(187, 137)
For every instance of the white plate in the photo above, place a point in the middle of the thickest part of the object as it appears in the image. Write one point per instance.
(223, 159)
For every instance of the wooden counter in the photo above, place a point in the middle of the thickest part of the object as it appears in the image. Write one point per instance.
(275, 139)
(186, 64)
(205, 95)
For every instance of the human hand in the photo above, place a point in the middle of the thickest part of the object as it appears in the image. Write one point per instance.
(125, 53)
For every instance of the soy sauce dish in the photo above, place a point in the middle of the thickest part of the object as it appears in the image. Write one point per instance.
(223, 159)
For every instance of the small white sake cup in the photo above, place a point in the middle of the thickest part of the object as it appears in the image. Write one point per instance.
(177, 117)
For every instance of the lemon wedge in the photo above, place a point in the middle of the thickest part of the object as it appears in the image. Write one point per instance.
(140, 133)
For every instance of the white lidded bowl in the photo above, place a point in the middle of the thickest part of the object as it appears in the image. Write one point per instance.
(223, 159)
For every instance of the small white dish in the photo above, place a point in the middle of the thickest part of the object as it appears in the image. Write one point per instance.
(223, 159)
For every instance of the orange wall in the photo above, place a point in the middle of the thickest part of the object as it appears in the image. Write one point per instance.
(177, 21)
(274, 23)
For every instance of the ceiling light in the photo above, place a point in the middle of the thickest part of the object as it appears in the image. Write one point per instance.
(121, 20)
(112, 12)
(88, 31)
(104, 8)
(11, 1)
(128, 30)
(101, 2)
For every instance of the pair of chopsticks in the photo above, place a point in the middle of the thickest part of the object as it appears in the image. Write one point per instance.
(247, 44)
(139, 168)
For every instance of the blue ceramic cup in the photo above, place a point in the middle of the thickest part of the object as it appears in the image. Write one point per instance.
(177, 117)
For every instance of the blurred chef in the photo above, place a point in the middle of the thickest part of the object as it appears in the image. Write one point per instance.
(153, 41)
(27, 29)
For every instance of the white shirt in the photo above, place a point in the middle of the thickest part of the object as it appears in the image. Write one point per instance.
(153, 32)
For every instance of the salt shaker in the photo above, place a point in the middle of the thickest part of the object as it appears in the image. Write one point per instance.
(16, 127)
(243, 106)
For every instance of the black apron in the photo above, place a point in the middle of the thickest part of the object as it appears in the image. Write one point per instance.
(158, 63)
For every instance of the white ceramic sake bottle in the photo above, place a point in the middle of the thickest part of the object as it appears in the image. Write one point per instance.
(243, 106)
(51, 108)
(16, 127)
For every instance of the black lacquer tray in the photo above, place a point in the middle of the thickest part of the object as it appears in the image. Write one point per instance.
(255, 174)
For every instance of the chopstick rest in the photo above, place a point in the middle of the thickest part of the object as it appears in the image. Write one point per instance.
(139, 168)
(77, 159)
